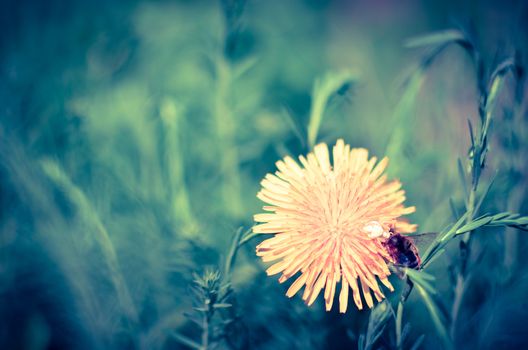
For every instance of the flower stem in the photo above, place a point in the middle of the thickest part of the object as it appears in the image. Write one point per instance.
(399, 313)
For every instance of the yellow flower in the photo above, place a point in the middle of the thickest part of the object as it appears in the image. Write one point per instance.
(328, 223)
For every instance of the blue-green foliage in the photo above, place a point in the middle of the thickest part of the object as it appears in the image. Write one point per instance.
(134, 135)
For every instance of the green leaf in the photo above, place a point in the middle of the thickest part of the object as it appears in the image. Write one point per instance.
(501, 219)
(486, 192)
(294, 125)
(402, 115)
(399, 318)
(434, 257)
(193, 318)
(378, 318)
(453, 208)
(222, 305)
(436, 38)
(471, 134)
(418, 342)
(243, 67)
(422, 279)
(361, 342)
(463, 180)
(436, 316)
(452, 231)
(502, 68)
(441, 240)
(472, 226)
(501, 216)
(186, 341)
(323, 89)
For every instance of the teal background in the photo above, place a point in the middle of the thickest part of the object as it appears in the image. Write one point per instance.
(134, 135)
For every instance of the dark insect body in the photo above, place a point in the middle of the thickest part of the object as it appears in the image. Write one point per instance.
(402, 250)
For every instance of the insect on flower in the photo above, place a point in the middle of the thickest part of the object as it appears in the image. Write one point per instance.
(402, 250)
(329, 220)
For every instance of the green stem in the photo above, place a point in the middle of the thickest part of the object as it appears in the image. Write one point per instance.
(248, 237)
(478, 152)
(399, 313)
(231, 256)
(205, 331)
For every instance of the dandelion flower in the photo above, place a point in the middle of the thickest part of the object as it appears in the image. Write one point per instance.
(328, 223)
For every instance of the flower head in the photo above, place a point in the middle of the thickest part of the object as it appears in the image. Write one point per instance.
(328, 223)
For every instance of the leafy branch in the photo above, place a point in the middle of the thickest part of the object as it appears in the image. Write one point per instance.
(213, 310)
(466, 222)
(211, 294)
(477, 159)
(502, 219)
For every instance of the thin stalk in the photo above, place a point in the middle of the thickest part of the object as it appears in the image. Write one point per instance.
(225, 280)
(205, 330)
(516, 198)
(478, 152)
(511, 235)
(249, 235)
(461, 276)
(399, 312)
(231, 256)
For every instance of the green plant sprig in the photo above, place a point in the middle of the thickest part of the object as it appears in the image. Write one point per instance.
(477, 159)
(212, 293)
(466, 222)
(323, 89)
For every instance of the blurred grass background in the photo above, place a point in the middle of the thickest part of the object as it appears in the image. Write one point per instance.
(134, 135)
